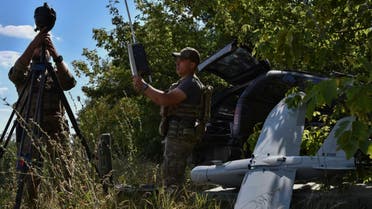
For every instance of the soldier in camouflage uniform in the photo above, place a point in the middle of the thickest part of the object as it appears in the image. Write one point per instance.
(181, 106)
(53, 124)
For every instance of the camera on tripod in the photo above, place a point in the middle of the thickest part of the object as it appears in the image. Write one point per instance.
(44, 17)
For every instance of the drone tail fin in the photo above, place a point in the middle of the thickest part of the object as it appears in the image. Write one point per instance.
(330, 146)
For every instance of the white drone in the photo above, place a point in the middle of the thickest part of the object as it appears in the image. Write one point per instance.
(266, 180)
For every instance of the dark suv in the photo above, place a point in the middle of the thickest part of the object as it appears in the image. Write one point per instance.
(254, 90)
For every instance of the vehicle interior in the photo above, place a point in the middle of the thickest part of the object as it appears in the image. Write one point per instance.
(254, 90)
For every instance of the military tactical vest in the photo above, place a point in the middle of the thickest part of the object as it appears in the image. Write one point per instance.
(197, 114)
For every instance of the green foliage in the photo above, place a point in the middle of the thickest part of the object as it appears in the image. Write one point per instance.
(250, 143)
(355, 139)
(7, 169)
(120, 119)
(347, 97)
(307, 35)
(315, 132)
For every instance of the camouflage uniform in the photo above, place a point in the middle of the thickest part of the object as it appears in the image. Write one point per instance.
(180, 135)
(53, 125)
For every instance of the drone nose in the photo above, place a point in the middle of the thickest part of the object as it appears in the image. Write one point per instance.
(199, 174)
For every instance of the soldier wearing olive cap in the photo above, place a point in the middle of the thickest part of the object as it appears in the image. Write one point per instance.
(180, 109)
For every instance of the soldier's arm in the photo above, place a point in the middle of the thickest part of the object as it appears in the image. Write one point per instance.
(159, 97)
(64, 76)
(18, 72)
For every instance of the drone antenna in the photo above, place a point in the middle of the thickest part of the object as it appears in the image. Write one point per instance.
(130, 22)
(137, 55)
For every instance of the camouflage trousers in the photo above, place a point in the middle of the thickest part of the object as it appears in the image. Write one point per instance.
(179, 144)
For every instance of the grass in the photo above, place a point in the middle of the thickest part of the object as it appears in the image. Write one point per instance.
(86, 190)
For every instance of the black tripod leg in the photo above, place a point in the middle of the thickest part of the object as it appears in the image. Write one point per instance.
(7, 126)
(14, 110)
(39, 106)
(28, 109)
(36, 133)
(3, 148)
(71, 116)
(20, 186)
(24, 158)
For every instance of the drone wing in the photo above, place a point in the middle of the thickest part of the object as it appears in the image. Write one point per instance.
(271, 187)
(266, 189)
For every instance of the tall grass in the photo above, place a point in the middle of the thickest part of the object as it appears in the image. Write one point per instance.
(85, 189)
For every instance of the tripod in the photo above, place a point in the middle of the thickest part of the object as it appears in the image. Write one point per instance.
(28, 110)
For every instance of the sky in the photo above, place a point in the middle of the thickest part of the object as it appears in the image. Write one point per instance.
(71, 33)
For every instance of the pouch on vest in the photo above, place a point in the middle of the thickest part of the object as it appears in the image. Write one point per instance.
(182, 130)
(205, 115)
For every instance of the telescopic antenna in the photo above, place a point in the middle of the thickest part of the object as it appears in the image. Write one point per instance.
(136, 53)
(130, 23)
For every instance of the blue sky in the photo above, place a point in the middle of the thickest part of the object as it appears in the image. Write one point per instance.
(72, 32)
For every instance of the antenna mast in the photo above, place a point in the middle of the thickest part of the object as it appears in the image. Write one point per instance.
(130, 22)
(136, 52)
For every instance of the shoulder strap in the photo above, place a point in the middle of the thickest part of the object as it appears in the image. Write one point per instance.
(174, 85)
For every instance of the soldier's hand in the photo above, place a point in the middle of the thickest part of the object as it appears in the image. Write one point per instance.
(50, 46)
(39, 39)
(137, 83)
